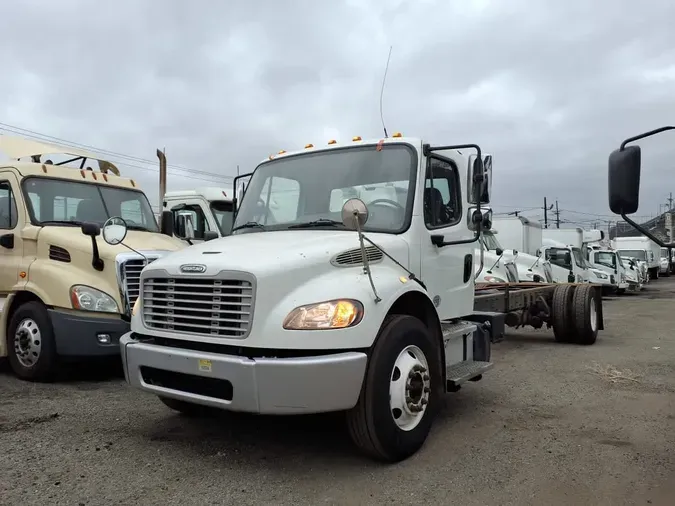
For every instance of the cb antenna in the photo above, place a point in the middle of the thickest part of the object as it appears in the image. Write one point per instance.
(384, 81)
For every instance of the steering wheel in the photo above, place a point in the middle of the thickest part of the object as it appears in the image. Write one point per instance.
(387, 201)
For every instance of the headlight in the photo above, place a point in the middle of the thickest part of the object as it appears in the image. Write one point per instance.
(601, 275)
(136, 306)
(332, 314)
(90, 299)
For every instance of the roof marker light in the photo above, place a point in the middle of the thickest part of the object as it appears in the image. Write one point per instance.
(397, 134)
(282, 151)
(332, 141)
(356, 138)
(307, 146)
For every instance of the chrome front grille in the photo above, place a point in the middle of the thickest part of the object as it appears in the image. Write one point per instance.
(130, 274)
(194, 305)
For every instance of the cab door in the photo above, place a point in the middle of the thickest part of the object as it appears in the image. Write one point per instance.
(447, 271)
(12, 221)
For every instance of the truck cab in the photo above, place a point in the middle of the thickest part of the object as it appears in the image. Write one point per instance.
(610, 262)
(66, 293)
(568, 262)
(200, 213)
(319, 301)
(527, 268)
(642, 248)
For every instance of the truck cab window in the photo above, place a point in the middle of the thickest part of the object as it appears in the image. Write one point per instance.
(441, 195)
(195, 214)
(8, 212)
(279, 201)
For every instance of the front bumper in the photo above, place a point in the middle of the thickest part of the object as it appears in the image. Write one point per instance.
(78, 336)
(255, 385)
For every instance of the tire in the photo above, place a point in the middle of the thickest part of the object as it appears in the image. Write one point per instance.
(561, 317)
(371, 422)
(185, 408)
(585, 318)
(31, 348)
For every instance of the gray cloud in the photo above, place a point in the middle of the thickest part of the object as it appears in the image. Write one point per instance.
(548, 87)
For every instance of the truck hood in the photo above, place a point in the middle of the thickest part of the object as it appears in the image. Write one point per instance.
(71, 238)
(267, 253)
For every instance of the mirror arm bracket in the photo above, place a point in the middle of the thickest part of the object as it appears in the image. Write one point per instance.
(96, 261)
(647, 232)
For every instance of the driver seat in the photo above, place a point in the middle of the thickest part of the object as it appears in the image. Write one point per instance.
(433, 201)
(90, 210)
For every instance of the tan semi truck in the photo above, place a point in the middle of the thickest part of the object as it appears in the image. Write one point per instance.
(64, 292)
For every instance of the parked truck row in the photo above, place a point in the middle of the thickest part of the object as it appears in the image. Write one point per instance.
(368, 278)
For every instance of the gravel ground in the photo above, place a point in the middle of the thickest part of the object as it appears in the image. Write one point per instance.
(551, 424)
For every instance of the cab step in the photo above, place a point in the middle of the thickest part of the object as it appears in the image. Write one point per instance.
(453, 330)
(462, 372)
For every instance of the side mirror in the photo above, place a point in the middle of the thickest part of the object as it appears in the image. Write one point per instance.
(184, 226)
(479, 179)
(166, 223)
(114, 230)
(210, 235)
(624, 180)
(91, 229)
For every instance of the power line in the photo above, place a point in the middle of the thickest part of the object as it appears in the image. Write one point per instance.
(44, 137)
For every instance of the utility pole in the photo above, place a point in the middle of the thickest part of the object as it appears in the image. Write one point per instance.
(546, 210)
(557, 215)
(237, 170)
(670, 202)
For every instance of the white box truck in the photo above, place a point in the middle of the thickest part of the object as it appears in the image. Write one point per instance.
(519, 233)
(642, 248)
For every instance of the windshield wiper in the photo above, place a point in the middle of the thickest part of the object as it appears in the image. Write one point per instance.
(322, 222)
(62, 222)
(137, 227)
(249, 224)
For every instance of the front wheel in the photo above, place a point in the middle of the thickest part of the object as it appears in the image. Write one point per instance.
(400, 393)
(31, 348)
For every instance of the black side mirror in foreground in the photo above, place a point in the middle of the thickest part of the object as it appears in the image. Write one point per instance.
(624, 180)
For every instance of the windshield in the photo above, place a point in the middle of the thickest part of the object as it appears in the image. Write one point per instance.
(605, 258)
(637, 253)
(313, 187)
(490, 241)
(223, 213)
(56, 201)
(560, 257)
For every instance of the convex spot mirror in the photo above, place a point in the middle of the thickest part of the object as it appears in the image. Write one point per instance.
(624, 180)
(114, 230)
(354, 214)
(482, 218)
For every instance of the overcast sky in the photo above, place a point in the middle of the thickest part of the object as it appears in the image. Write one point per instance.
(549, 88)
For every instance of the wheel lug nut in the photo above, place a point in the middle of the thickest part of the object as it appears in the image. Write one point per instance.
(427, 390)
(425, 377)
(424, 401)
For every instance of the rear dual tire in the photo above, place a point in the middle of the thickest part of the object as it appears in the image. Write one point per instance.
(575, 315)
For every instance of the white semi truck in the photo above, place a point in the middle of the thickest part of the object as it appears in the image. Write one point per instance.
(367, 309)
(642, 248)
